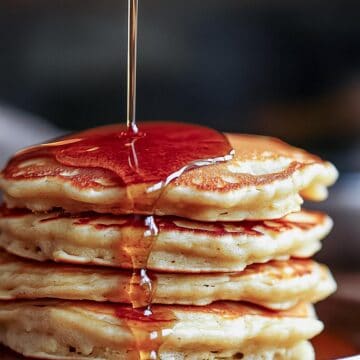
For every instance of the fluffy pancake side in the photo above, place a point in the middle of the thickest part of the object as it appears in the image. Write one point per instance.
(263, 181)
(180, 246)
(275, 285)
(74, 330)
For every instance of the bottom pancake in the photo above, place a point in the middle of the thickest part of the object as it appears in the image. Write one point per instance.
(86, 330)
(275, 285)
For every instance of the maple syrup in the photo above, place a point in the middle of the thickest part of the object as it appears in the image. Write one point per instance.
(149, 332)
(131, 65)
(156, 155)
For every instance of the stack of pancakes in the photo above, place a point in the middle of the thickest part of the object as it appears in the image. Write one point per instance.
(219, 269)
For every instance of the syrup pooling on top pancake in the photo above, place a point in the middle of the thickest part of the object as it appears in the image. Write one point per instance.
(153, 157)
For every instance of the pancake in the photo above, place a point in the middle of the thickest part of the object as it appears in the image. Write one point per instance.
(275, 285)
(264, 180)
(301, 351)
(175, 244)
(81, 330)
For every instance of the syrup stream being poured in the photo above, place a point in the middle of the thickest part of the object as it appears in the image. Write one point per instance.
(131, 65)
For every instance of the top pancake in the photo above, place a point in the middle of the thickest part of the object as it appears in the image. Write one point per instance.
(264, 180)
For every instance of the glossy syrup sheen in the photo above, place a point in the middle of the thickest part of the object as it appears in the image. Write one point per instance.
(157, 151)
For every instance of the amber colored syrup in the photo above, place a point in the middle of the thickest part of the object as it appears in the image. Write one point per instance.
(157, 154)
(150, 331)
(138, 248)
(138, 236)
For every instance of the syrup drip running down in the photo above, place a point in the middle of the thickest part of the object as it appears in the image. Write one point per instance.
(138, 248)
(149, 332)
(149, 329)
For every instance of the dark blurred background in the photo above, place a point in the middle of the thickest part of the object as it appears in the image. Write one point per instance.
(284, 68)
